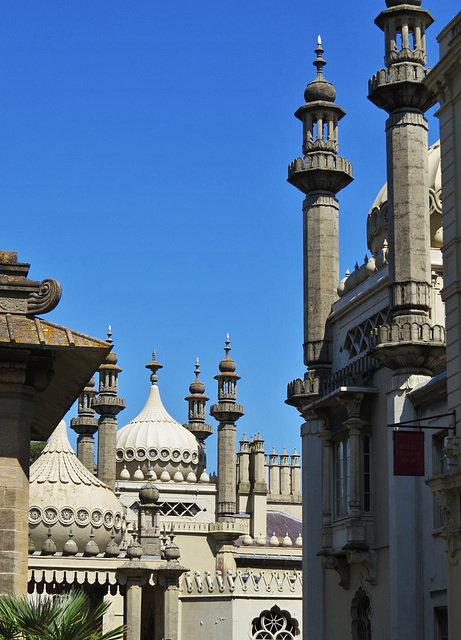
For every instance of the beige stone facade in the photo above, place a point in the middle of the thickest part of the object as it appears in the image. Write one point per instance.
(374, 541)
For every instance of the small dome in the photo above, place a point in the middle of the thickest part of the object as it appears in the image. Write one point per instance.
(227, 365)
(65, 496)
(148, 494)
(155, 439)
(319, 89)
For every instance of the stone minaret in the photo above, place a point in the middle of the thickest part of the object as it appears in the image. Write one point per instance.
(320, 174)
(398, 89)
(86, 426)
(227, 412)
(197, 409)
(108, 405)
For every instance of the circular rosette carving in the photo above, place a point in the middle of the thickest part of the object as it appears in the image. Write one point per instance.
(50, 515)
(83, 516)
(67, 515)
(35, 515)
(96, 517)
(108, 519)
(47, 297)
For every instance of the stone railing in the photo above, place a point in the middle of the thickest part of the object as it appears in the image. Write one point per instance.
(248, 583)
(320, 160)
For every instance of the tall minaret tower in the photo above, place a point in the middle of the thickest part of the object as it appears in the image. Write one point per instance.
(108, 405)
(398, 89)
(320, 174)
(227, 412)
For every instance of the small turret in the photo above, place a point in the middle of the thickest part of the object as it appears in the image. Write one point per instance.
(108, 405)
(86, 426)
(197, 408)
(227, 412)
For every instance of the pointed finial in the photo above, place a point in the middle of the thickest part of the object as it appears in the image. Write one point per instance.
(320, 62)
(109, 335)
(227, 348)
(154, 366)
(197, 368)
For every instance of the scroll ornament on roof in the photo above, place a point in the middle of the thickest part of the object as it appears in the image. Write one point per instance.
(21, 295)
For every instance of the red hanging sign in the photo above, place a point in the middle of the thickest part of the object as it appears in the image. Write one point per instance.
(408, 453)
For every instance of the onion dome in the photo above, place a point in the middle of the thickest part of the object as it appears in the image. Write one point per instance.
(197, 387)
(65, 496)
(164, 449)
(227, 365)
(377, 225)
(319, 89)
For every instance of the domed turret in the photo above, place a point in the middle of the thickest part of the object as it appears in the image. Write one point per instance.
(154, 443)
(197, 409)
(65, 497)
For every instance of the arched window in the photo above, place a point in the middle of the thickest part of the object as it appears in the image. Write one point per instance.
(274, 625)
(361, 616)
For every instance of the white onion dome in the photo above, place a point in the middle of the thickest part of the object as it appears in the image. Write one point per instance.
(156, 445)
(65, 498)
(377, 224)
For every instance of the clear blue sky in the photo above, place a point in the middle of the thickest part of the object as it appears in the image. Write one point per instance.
(143, 160)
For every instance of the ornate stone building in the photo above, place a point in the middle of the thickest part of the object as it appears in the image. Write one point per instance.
(379, 361)
(180, 554)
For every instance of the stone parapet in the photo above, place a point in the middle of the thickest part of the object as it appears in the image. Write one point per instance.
(320, 171)
(248, 583)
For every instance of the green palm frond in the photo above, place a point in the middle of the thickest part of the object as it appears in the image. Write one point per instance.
(67, 617)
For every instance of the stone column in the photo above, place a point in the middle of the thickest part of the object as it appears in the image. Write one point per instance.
(133, 609)
(356, 467)
(321, 275)
(313, 588)
(285, 480)
(134, 574)
(409, 220)
(171, 608)
(16, 414)
(258, 480)
(274, 473)
(244, 466)
(295, 474)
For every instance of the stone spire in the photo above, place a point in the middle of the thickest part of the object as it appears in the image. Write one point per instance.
(227, 412)
(108, 405)
(399, 90)
(320, 174)
(197, 408)
(86, 425)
